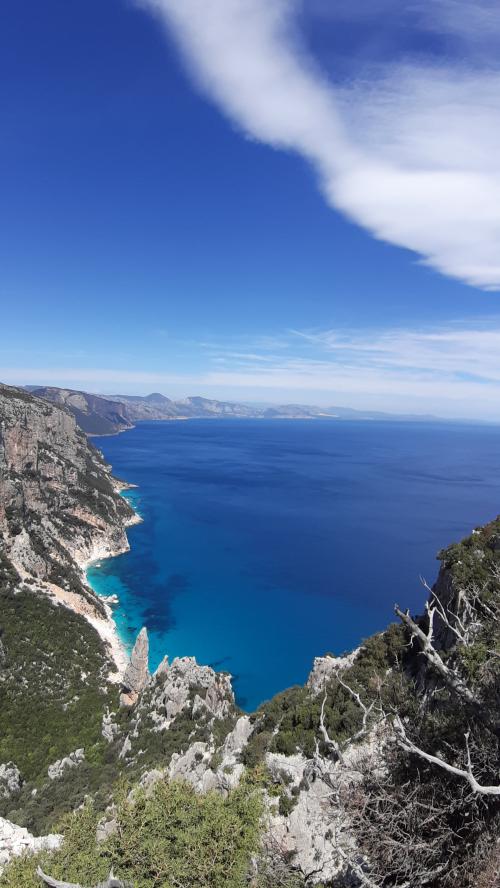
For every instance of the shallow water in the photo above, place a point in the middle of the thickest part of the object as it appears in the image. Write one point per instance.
(266, 543)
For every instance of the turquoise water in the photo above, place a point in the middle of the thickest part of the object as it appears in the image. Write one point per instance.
(267, 543)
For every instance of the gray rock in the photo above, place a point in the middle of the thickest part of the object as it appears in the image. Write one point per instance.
(137, 672)
(57, 769)
(127, 746)
(106, 828)
(191, 765)
(46, 460)
(16, 840)
(173, 687)
(10, 780)
(110, 882)
(325, 667)
(109, 727)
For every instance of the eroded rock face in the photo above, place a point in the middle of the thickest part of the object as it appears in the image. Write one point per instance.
(15, 840)
(196, 765)
(57, 769)
(59, 505)
(184, 682)
(10, 780)
(109, 728)
(325, 667)
(178, 692)
(136, 674)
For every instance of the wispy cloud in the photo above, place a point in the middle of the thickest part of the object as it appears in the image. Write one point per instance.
(451, 370)
(453, 353)
(412, 154)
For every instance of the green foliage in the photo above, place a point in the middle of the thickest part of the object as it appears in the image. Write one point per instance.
(470, 560)
(54, 665)
(168, 837)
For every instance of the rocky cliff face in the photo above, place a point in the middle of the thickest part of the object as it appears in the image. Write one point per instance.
(94, 414)
(59, 505)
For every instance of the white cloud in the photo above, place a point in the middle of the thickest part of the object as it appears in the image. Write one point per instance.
(451, 371)
(412, 154)
(450, 354)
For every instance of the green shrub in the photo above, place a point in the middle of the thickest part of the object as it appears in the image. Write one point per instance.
(51, 698)
(169, 837)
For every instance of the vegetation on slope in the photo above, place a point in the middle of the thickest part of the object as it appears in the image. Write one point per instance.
(420, 822)
(289, 722)
(52, 681)
(168, 837)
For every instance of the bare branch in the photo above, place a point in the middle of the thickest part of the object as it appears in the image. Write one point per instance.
(450, 619)
(406, 744)
(53, 883)
(332, 744)
(111, 882)
(451, 679)
(366, 710)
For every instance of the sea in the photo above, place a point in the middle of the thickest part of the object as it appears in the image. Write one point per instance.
(267, 543)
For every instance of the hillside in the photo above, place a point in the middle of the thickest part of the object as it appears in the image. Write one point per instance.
(94, 415)
(382, 771)
(102, 415)
(59, 509)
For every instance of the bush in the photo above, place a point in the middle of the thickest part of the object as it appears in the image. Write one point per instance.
(51, 700)
(168, 837)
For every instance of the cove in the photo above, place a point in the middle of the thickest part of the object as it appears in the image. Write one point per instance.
(267, 543)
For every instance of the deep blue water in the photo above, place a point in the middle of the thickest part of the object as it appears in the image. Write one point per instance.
(267, 543)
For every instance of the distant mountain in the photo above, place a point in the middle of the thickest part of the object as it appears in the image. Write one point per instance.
(103, 415)
(94, 414)
(157, 406)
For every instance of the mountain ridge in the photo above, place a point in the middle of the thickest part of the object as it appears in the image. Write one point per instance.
(112, 414)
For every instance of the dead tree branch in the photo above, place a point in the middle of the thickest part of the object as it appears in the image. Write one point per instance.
(111, 882)
(450, 677)
(331, 744)
(405, 743)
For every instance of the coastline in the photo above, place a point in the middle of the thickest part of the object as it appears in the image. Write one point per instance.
(106, 627)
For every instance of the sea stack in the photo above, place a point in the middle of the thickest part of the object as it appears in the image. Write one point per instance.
(137, 672)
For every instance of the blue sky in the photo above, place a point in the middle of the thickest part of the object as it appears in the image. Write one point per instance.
(264, 202)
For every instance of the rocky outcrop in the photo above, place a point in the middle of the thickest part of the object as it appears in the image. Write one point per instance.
(57, 769)
(136, 674)
(206, 767)
(109, 728)
(194, 698)
(16, 840)
(305, 835)
(183, 683)
(325, 667)
(10, 780)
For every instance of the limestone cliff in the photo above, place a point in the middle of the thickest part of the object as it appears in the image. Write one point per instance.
(60, 507)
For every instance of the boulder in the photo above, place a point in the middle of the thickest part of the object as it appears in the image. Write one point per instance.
(57, 769)
(15, 840)
(10, 780)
